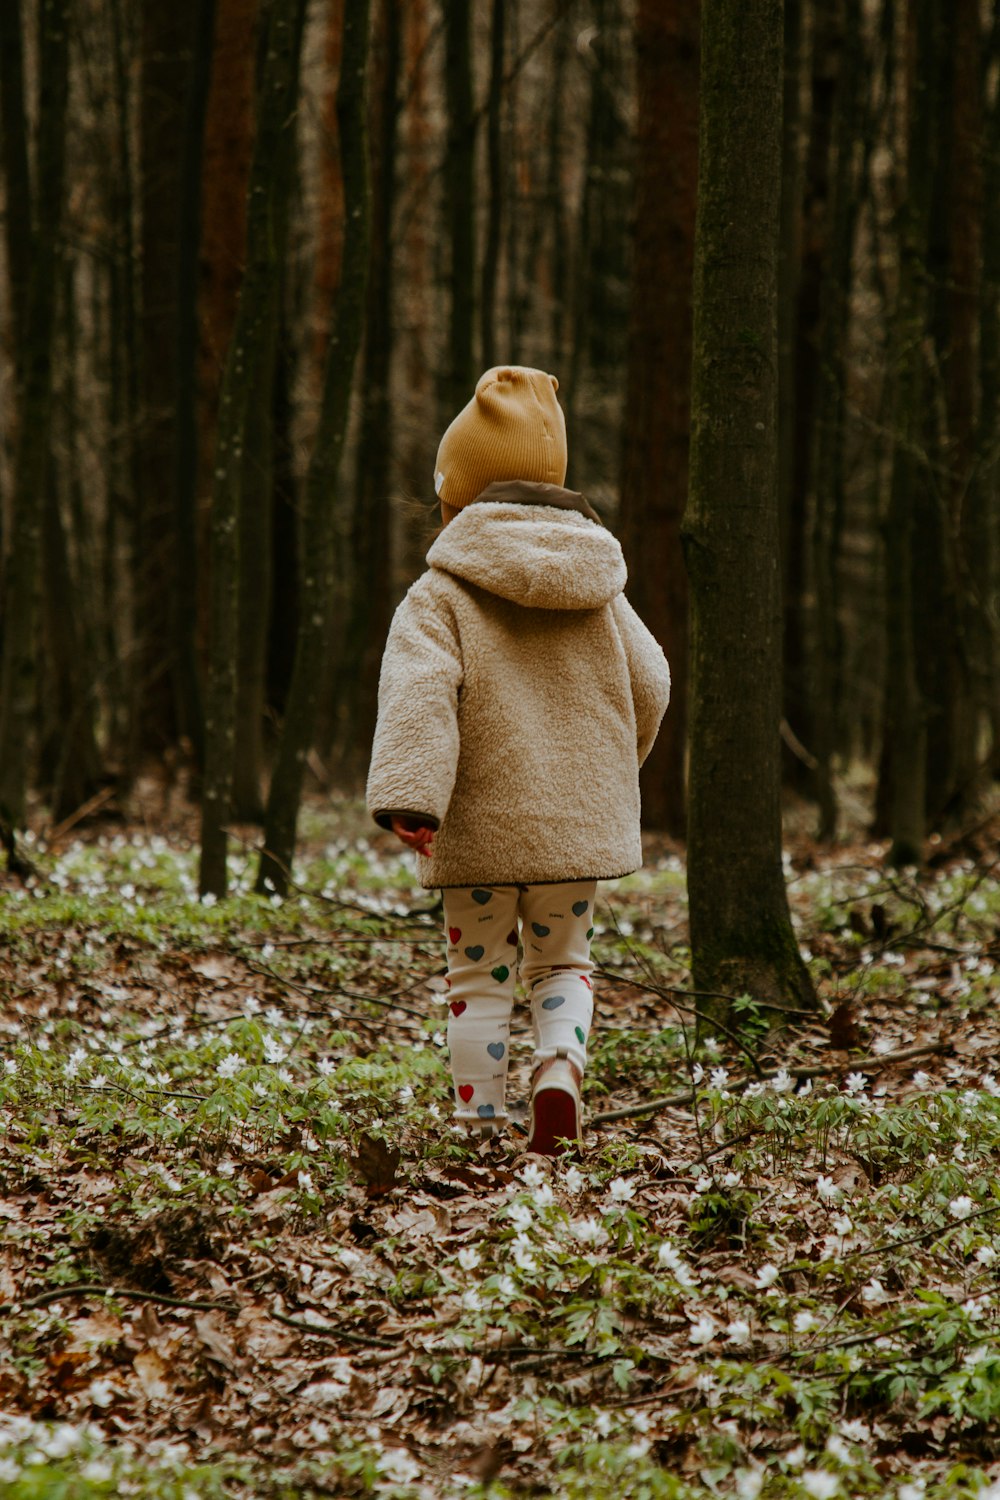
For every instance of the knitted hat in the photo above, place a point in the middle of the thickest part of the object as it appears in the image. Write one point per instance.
(513, 428)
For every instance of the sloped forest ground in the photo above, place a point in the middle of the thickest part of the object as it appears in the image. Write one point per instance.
(244, 1252)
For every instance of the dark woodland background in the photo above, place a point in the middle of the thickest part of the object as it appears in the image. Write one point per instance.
(255, 255)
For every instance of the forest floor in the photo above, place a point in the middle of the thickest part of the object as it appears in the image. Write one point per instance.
(243, 1251)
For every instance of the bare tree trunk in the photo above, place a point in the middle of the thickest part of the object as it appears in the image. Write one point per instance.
(124, 475)
(318, 538)
(556, 192)
(270, 184)
(968, 515)
(185, 671)
(417, 436)
(365, 566)
(987, 560)
(905, 754)
(460, 206)
(167, 33)
(741, 933)
(828, 464)
(657, 402)
(18, 663)
(789, 258)
(495, 199)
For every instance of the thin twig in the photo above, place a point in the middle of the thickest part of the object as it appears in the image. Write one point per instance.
(327, 1331)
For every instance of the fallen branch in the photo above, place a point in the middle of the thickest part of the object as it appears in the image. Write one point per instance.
(131, 1294)
(819, 1070)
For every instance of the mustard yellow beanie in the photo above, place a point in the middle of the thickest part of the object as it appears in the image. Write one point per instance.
(513, 428)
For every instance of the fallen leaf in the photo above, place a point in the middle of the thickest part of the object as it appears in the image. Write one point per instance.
(217, 1346)
(377, 1164)
(151, 1372)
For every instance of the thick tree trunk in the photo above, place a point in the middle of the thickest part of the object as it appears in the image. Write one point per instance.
(657, 402)
(318, 557)
(460, 201)
(741, 933)
(269, 187)
(18, 662)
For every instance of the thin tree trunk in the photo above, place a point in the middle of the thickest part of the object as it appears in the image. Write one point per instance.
(556, 191)
(968, 516)
(365, 567)
(825, 39)
(318, 538)
(69, 761)
(167, 33)
(18, 664)
(185, 672)
(17, 176)
(741, 933)
(495, 198)
(257, 500)
(789, 258)
(227, 146)
(119, 608)
(657, 402)
(987, 564)
(270, 184)
(460, 206)
(905, 755)
(828, 466)
(417, 436)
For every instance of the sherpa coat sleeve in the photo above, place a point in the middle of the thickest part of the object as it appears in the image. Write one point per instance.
(415, 752)
(649, 674)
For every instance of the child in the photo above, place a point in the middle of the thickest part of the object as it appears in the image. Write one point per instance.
(519, 695)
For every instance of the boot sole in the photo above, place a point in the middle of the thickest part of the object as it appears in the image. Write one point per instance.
(554, 1120)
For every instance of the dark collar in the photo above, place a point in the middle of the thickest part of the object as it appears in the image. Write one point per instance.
(529, 492)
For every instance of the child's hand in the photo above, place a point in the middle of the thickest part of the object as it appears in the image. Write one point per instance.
(417, 835)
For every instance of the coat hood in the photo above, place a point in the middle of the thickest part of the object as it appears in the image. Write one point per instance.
(537, 545)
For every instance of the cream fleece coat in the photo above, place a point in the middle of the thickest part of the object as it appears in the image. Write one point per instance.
(519, 695)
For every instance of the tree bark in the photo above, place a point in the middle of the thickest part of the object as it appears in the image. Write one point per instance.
(269, 186)
(318, 554)
(741, 933)
(657, 401)
(18, 664)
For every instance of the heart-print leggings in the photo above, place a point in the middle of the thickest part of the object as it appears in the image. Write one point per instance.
(557, 923)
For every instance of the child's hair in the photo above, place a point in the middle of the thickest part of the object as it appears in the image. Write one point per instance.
(513, 428)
